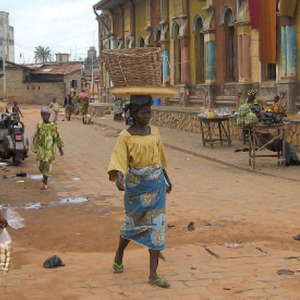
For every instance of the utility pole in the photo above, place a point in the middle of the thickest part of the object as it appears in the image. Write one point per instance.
(93, 75)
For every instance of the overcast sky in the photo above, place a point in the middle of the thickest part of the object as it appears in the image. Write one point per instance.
(66, 26)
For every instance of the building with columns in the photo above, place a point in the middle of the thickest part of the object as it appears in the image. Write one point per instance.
(213, 50)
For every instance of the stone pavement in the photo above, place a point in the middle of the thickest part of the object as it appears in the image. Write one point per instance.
(191, 143)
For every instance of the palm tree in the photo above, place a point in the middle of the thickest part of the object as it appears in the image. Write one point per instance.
(42, 54)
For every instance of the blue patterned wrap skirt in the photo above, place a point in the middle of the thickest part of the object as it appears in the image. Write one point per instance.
(145, 201)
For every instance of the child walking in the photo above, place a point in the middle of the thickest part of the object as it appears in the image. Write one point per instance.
(137, 166)
(16, 109)
(44, 142)
(55, 109)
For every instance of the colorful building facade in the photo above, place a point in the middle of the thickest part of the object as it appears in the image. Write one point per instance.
(213, 50)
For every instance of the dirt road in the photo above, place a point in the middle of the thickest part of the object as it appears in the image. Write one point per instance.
(256, 215)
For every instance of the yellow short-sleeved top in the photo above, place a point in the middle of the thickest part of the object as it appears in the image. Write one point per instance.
(136, 151)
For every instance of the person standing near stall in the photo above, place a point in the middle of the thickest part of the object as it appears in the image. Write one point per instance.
(138, 166)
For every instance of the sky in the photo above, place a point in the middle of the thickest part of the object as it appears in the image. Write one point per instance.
(65, 26)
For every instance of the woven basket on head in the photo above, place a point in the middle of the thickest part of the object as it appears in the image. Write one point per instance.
(134, 67)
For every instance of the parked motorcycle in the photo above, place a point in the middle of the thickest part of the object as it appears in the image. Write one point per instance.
(13, 142)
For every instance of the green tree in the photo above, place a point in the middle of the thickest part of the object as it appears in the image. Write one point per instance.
(42, 54)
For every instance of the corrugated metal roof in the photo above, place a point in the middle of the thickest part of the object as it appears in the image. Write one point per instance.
(59, 69)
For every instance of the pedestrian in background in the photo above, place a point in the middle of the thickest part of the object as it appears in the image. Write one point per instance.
(16, 109)
(68, 105)
(84, 103)
(137, 165)
(44, 142)
(55, 109)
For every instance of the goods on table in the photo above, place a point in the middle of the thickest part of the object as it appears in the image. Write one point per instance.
(252, 115)
(217, 113)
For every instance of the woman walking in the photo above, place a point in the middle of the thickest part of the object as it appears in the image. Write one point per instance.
(68, 105)
(44, 142)
(137, 166)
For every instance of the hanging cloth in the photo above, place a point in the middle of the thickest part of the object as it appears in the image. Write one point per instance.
(287, 8)
(254, 13)
(267, 31)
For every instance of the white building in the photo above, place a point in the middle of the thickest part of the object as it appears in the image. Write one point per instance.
(7, 41)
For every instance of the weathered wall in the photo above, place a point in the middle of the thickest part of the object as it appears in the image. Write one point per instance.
(24, 92)
(14, 78)
(42, 93)
(74, 76)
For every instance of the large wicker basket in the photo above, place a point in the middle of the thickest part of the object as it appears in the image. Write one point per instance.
(134, 67)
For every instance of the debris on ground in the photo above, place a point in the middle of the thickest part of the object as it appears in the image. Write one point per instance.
(191, 226)
(53, 262)
(285, 272)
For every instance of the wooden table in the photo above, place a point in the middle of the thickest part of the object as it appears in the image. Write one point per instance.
(278, 132)
(207, 130)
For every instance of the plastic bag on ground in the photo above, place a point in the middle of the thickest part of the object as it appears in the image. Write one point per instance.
(14, 219)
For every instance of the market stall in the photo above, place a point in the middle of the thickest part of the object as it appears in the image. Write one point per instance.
(215, 127)
(278, 132)
(257, 123)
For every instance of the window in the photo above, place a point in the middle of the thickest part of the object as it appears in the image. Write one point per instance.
(199, 50)
(269, 72)
(157, 34)
(141, 41)
(73, 84)
(177, 55)
(229, 47)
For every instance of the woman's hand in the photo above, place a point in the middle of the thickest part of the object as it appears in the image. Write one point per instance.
(120, 184)
(169, 187)
(169, 184)
(3, 222)
(120, 181)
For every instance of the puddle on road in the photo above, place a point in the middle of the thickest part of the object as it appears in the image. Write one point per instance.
(37, 205)
(35, 177)
(74, 200)
(27, 206)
